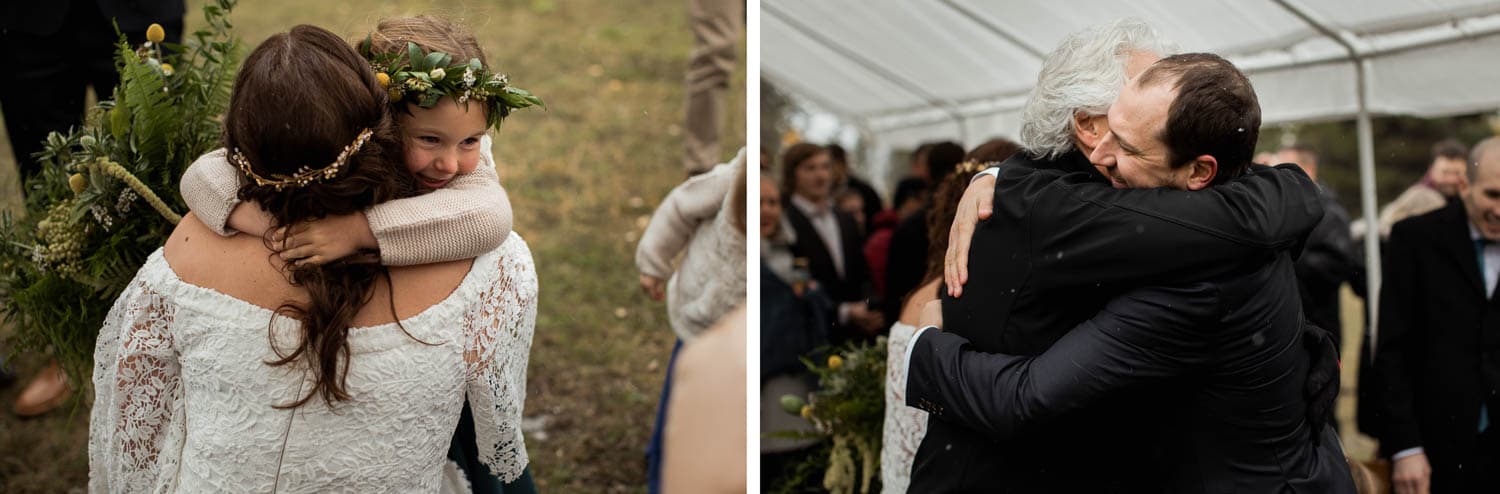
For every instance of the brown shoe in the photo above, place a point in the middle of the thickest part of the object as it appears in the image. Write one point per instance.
(47, 391)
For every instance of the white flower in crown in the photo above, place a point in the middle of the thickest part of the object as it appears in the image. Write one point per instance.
(469, 77)
(500, 78)
(437, 74)
(464, 98)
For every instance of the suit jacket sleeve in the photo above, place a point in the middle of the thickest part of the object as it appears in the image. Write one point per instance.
(1399, 350)
(1136, 340)
(1084, 232)
(1329, 256)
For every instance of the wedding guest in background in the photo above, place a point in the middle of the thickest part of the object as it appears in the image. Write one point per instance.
(906, 262)
(703, 219)
(829, 240)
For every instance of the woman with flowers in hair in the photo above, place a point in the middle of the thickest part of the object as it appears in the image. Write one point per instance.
(443, 100)
(226, 367)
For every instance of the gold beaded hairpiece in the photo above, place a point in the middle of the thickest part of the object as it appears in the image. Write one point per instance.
(304, 175)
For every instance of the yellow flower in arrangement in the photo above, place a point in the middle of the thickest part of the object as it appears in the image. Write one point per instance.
(807, 412)
(835, 361)
(77, 183)
(155, 33)
(384, 78)
(166, 69)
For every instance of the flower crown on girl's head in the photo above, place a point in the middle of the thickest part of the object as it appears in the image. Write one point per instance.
(423, 78)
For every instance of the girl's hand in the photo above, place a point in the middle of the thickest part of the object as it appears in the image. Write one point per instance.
(653, 287)
(322, 241)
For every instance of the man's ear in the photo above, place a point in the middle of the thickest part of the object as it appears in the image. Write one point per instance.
(1201, 172)
(1089, 129)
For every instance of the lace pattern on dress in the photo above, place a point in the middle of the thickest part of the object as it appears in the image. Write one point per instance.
(904, 426)
(138, 389)
(500, 328)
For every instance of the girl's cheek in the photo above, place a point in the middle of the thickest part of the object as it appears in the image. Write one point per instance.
(415, 160)
(469, 163)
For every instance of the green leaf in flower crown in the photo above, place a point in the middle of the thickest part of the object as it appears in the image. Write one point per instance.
(415, 56)
(429, 99)
(436, 59)
(364, 46)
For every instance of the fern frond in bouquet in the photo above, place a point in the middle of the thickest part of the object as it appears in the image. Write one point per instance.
(107, 194)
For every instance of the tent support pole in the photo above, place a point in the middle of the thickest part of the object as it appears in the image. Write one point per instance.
(1366, 164)
(1367, 203)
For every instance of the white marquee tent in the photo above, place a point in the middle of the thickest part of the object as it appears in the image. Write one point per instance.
(904, 72)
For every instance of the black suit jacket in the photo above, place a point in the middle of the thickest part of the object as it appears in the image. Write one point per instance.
(1438, 350)
(907, 263)
(1060, 244)
(1325, 265)
(853, 286)
(1230, 349)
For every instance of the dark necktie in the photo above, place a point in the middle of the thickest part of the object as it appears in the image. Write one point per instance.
(1479, 245)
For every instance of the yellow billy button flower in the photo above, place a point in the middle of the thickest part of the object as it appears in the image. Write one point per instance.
(384, 78)
(166, 69)
(807, 412)
(77, 183)
(155, 33)
(835, 361)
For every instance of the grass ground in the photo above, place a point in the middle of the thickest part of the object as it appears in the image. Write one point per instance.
(583, 178)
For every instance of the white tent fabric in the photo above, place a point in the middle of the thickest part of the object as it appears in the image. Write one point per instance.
(908, 71)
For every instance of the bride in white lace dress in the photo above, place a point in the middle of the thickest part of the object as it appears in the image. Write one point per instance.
(205, 381)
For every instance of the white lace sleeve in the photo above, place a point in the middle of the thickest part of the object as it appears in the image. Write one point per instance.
(499, 327)
(137, 395)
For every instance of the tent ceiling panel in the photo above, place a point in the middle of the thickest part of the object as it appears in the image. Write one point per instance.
(830, 76)
(1440, 80)
(976, 59)
(902, 37)
(1377, 16)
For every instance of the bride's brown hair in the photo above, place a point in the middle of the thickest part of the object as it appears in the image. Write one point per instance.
(300, 98)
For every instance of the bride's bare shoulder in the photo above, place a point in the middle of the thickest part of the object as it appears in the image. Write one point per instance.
(198, 255)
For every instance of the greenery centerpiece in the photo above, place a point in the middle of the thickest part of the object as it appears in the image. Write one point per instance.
(107, 194)
(849, 409)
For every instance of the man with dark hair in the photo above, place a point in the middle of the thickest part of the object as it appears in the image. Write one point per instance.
(1211, 365)
(829, 240)
(843, 178)
(1328, 261)
(1436, 361)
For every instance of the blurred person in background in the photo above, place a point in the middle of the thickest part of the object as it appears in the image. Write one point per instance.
(717, 26)
(1445, 175)
(1435, 366)
(907, 259)
(845, 181)
(795, 316)
(703, 219)
(1327, 260)
(829, 240)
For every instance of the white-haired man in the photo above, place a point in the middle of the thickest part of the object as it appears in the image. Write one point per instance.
(1061, 244)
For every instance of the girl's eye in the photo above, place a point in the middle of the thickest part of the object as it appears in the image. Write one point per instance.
(471, 141)
(429, 139)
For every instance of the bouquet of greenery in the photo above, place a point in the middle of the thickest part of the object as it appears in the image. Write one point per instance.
(107, 194)
(848, 407)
